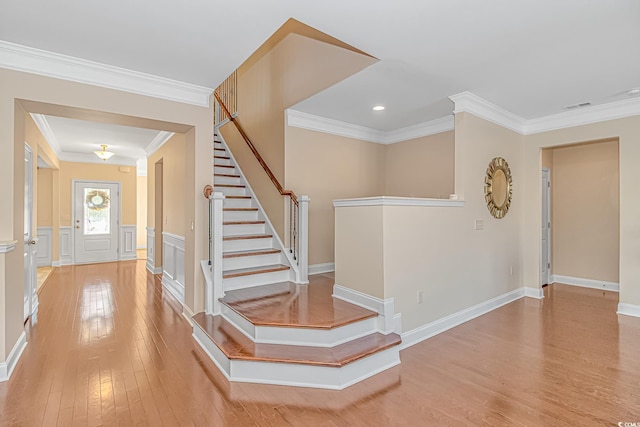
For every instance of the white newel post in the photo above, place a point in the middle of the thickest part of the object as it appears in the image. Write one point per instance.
(213, 296)
(303, 236)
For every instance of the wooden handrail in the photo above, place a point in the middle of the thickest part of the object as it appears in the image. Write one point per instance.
(255, 152)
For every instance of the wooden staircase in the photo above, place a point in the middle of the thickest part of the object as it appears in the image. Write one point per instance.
(251, 255)
(297, 335)
(267, 329)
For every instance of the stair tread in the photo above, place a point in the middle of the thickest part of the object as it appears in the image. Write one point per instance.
(237, 197)
(247, 236)
(226, 175)
(236, 346)
(225, 166)
(254, 252)
(240, 209)
(243, 222)
(219, 149)
(222, 157)
(229, 185)
(305, 306)
(228, 274)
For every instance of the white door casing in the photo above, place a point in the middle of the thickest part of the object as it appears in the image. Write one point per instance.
(30, 251)
(545, 260)
(96, 221)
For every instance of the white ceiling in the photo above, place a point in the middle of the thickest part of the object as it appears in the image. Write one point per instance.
(530, 57)
(76, 140)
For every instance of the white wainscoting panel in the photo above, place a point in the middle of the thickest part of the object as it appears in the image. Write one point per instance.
(151, 251)
(128, 242)
(173, 264)
(66, 245)
(44, 246)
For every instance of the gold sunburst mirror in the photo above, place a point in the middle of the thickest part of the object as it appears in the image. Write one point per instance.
(498, 187)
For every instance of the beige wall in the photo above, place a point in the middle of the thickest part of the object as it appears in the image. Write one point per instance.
(421, 167)
(437, 249)
(327, 167)
(98, 172)
(627, 131)
(141, 211)
(585, 220)
(172, 154)
(294, 69)
(21, 93)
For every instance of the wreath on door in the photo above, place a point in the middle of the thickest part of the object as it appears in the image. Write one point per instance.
(97, 200)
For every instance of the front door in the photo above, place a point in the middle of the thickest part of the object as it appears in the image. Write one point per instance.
(30, 281)
(96, 221)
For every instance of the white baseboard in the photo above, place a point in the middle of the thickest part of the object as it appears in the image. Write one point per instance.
(187, 314)
(56, 263)
(384, 307)
(536, 293)
(586, 283)
(436, 327)
(6, 368)
(327, 267)
(629, 309)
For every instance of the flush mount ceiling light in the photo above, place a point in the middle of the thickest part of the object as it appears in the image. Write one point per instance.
(378, 108)
(103, 154)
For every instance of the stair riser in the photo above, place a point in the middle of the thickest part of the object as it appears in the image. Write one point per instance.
(228, 171)
(217, 144)
(242, 230)
(246, 245)
(226, 180)
(250, 261)
(221, 161)
(252, 280)
(240, 215)
(300, 336)
(237, 203)
(297, 374)
(231, 191)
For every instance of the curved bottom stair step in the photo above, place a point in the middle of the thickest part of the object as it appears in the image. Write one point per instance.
(236, 346)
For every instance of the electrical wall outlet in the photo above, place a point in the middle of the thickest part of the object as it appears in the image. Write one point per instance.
(420, 297)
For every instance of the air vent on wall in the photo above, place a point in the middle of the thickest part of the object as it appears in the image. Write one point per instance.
(581, 105)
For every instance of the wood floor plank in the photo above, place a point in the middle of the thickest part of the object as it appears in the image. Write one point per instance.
(111, 347)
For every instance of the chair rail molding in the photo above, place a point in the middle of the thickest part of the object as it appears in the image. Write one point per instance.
(7, 246)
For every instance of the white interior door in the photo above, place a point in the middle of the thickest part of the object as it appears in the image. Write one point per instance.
(96, 221)
(30, 252)
(545, 262)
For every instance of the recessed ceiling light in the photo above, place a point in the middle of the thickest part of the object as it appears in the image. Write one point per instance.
(378, 108)
(634, 91)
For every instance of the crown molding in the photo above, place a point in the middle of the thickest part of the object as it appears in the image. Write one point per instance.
(158, 142)
(23, 58)
(432, 127)
(141, 167)
(308, 121)
(42, 124)
(584, 116)
(336, 127)
(468, 102)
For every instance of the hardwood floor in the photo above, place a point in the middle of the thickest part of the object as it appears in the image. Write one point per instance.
(111, 348)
